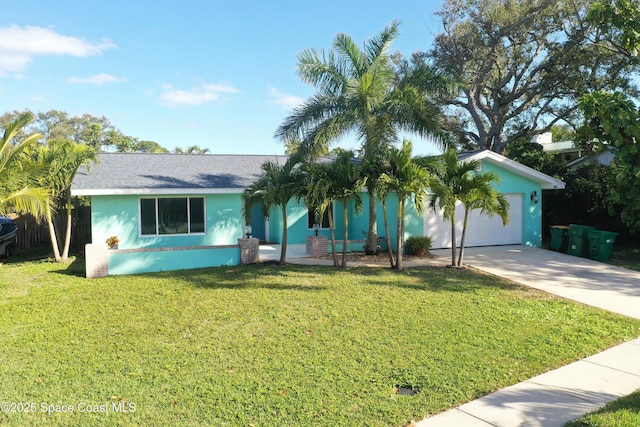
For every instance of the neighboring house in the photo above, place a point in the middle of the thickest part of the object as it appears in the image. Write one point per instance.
(563, 151)
(522, 187)
(604, 158)
(566, 152)
(174, 212)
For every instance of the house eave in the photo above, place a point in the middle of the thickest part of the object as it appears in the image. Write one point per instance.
(150, 191)
(546, 182)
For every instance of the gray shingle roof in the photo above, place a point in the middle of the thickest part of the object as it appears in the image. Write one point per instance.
(130, 173)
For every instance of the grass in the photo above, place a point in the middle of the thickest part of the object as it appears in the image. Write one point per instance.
(623, 412)
(626, 256)
(261, 345)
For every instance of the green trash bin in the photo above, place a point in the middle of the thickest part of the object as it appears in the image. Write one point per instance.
(601, 244)
(579, 240)
(559, 238)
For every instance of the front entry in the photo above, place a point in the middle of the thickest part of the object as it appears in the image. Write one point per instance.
(258, 223)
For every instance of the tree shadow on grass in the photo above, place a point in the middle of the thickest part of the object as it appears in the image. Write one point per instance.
(444, 279)
(75, 268)
(258, 276)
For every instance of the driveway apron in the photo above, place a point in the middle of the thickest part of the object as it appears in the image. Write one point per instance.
(580, 279)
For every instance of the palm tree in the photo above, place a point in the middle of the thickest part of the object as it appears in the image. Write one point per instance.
(63, 158)
(338, 181)
(456, 181)
(359, 90)
(19, 190)
(479, 193)
(275, 188)
(406, 179)
(191, 149)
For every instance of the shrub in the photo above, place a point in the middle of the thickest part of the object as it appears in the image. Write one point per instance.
(415, 245)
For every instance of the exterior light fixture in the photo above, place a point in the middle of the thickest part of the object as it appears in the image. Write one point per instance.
(534, 197)
(247, 230)
(316, 227)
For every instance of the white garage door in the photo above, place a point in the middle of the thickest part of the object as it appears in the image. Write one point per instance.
(481, 230)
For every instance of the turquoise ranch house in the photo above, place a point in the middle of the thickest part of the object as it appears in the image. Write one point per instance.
(172, 212)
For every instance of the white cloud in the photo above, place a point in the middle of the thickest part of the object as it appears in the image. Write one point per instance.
(98, 79)
(199, 95)
(286, 101)
(19, 45)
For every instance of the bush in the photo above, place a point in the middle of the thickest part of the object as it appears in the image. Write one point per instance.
(414, 245)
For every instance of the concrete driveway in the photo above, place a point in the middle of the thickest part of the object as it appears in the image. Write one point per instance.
(590, 282)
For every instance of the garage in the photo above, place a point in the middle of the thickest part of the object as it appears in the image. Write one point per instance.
(521, 185)
(481, 230)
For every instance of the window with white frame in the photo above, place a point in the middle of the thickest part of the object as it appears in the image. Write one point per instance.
(171, 215)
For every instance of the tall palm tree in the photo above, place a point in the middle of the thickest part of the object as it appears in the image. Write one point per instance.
(338, 181)
(275, 188)
(456, 181)
(19, 190)
(359, 90)
(406, 179)
(63, 158)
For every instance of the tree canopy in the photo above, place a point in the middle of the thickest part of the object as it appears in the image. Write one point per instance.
(522, 64)
(96, 132)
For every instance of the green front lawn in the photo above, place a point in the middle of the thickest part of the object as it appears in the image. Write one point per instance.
(263, 346)
(623, 412)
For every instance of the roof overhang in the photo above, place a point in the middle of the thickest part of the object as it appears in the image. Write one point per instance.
(546, 182)
(152, 191)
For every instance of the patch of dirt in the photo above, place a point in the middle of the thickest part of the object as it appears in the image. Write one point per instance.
(381, 257)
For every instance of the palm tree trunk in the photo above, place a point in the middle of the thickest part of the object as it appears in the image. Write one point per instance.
(53, 237)
(332, 231)
(453, 240)
(464, 233)
(67, 236)
(400, 236)
(345, 239)
(371, 247)
(386, 230)
(283, 246)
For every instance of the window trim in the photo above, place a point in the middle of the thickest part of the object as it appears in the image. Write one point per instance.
(157, 231)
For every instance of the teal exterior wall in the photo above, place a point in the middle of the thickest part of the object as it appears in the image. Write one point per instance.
(119, 216)
(531, 212)
(125, 262)
(298, 225)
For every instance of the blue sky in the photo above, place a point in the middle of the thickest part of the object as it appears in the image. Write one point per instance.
(221, 75)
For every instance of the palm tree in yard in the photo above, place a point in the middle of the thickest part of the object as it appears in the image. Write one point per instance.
(360, 91)
(63, 159)
(275, 188)
(456, 181)
(406, 179)
(338, 181)
(19, 189)
(479, 193)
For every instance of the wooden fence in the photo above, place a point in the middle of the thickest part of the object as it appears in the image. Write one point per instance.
(33, 233)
